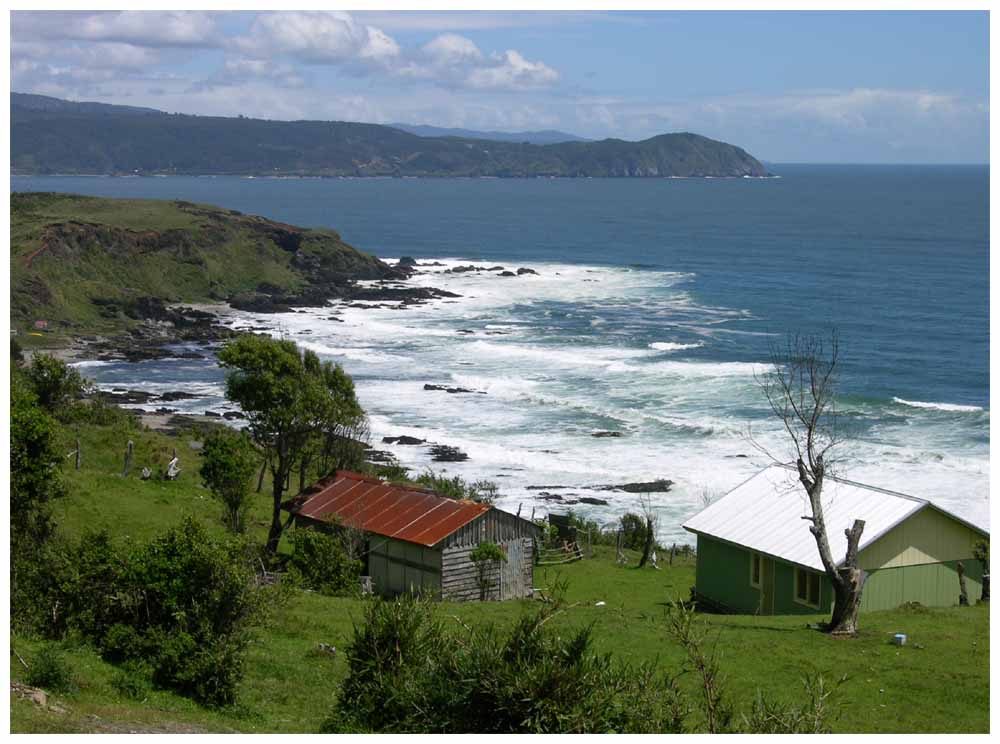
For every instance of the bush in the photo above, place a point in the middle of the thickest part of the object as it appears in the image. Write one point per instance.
(319, 562)
(185, 603)
(50, 671)
(228, 463)
(408, 674)
(132, 681)
(55, 382)
(633, 528)
(456, 487)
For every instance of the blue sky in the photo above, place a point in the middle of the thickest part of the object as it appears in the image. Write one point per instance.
(788, 86)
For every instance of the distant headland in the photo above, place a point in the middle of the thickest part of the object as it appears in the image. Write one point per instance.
(54, 136)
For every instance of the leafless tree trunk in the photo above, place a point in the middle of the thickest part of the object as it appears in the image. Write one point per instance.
(963, 592)
(651, 520)
(801, 390)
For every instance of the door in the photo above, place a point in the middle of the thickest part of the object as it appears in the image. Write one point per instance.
(766, 586)
(511, 573)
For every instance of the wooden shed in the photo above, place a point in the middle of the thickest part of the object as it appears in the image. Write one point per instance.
(757, 555)
(419, 541)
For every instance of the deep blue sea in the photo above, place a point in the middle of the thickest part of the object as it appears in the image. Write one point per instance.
(654, 304)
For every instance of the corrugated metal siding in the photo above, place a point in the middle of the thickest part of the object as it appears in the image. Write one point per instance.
(927, 537)
(403, 513)
(398, 567)
(765, 514)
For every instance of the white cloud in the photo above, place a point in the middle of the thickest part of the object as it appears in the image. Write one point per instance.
(511, 71)
(140, 28)
(318, 38)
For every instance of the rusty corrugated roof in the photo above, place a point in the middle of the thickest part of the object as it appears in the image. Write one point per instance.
(405, 513)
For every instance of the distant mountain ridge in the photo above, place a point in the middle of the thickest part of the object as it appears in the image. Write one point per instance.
(539, 137)
(49, 135)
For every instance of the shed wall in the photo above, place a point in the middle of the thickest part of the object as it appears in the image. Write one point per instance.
(397, 567)
(513, 580)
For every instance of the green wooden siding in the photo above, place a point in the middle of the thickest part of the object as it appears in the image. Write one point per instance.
(931, 584)
(723, 576)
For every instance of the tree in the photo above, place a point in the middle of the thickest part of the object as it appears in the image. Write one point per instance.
(800, 387)
(290, 398)
(54, 381)
(981, 552)
(229, 462)
(34, 482)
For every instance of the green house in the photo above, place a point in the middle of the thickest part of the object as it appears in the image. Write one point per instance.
(757, 555)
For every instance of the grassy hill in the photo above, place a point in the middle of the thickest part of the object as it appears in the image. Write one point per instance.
(53, 136)
(939, 682)
(82, 263)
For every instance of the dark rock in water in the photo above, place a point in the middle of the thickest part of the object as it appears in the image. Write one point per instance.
(495, 268)
(402, 440)
(380, 457)
(657, 486)
(213, 414)
(442, 388)
(189, 355)
(126, 396)
(463, 269)
(233, 415)
(406, 262)
(446, 453)
(506, 273)
(165, 410)
(464, 330)
(603, 434)
(410, 295)
(545, 488)
(258, 303)
(522, 272)
(335, 319)
(176, 395)
(591, 500)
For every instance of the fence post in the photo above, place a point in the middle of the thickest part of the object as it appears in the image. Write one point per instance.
(78, 456)
(128, 458)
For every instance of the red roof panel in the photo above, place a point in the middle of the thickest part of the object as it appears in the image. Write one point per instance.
(411, 514)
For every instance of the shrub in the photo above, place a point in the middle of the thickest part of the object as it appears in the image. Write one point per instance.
(55, 382)
(456, 487)
(633, 528)
(185, 603)
(319, 562)
(50, 671)
(408, 674)
(483, 557)
(132, 681)
(229, 461)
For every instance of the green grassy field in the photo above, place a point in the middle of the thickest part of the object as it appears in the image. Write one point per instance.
(939, 682)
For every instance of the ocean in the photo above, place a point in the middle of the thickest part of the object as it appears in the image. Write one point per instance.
(654, 305)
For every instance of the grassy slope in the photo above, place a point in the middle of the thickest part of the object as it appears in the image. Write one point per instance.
(215, 253)
(940, 682)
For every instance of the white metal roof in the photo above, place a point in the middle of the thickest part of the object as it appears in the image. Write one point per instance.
(765, 514)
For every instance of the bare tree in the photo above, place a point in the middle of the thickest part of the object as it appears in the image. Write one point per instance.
(646, 502)
(801, 387)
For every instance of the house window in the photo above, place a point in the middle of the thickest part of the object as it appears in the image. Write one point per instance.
(807, 587)
(755, 563)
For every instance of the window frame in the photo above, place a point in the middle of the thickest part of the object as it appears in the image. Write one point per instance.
(759, 560)
(809, 577)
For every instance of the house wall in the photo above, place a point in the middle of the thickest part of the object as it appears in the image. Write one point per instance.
(927, 537)
(930, 584)
(722, 574)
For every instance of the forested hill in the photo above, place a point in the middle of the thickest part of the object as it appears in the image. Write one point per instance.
(53, 136)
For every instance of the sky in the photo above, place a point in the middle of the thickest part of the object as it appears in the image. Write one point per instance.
(816, 87)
